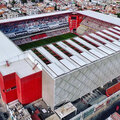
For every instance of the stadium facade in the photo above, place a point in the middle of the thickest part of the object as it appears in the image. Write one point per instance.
(70, 68)
(81, 71)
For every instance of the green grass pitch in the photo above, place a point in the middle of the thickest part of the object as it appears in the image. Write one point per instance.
(46, 41)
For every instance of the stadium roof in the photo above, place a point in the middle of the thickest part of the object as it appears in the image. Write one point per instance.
(33, 16)
(7, 48)
(65, 56)
(101, 16)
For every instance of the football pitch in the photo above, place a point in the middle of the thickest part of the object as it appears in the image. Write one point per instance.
(46, 41)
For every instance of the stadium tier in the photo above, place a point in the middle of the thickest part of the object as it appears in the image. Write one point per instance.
(89, 25)
(32, 26)
(36, 37)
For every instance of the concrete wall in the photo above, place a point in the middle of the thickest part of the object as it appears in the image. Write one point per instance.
(8, 87)
(48, 88)
(84, 80)
(29, 88)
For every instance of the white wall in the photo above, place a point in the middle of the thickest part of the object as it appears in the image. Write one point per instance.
(47, 89)
(86, 79)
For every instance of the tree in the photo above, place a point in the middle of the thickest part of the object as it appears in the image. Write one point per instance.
(55, 6)
(13, 3)
(118, 15)
(32, 0)
(24, 1)
(40, 0)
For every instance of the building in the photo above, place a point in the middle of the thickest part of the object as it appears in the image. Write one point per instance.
(84, 64)
(17, 111)
(70, 68)
(114, 116)
(18, 72)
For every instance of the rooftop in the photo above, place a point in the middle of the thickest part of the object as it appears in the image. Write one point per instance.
(64, 56)
(65, 110)
(53, 117)
(33, 16)
(114, 116)
(7, 48)
(41, 110)
(23, 65)
(18, 111)
(101, 16)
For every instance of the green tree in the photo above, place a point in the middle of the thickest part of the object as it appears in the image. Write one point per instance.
(55, 6)
(24, 1)
(32, 0)
(13, 3)
(118, 15)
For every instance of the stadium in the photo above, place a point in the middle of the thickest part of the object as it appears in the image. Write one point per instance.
(64, 55)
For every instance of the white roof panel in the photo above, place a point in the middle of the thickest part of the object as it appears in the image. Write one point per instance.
(61, 44)
(88, 56)
(80, 48)
(101, 16)
(43, 64)
(117, 27)
(56, 69)
(57, 51)
(112, 46)
(107, 50)
(52, 58)
(117, 43)
(98, 53)
(84, 42)
(106, 36)
(100, 38)
(78, 60)
(7, 48)
(73, 51)
(68, 64)
(62, 54)
(111, 33)
(76, 45)
(87, 37)
(47, 54)
(114, 30)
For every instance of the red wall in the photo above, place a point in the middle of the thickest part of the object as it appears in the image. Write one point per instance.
(2, 87)
(9, 81)
(26, 90)
(1, 82)
(75, 23)
(6, 85)
(29, 88)
(113, 89)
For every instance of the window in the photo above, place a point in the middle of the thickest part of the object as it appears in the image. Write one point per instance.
(73, 18)
(13, 88)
